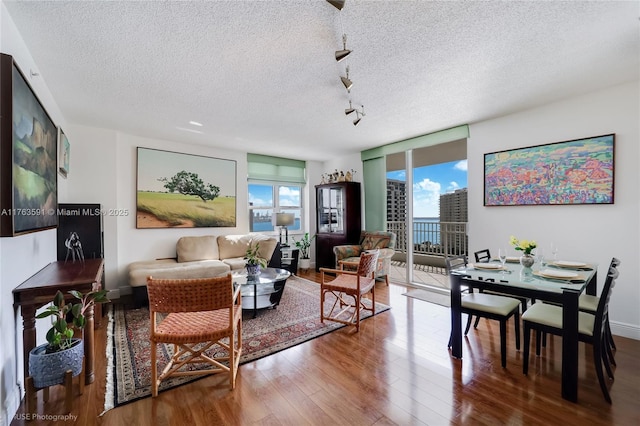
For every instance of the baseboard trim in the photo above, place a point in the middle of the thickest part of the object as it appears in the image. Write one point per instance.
(625, 330)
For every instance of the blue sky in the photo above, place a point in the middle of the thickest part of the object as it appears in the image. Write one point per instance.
(430, 182)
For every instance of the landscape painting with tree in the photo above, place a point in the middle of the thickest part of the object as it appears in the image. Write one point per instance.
(184, 190)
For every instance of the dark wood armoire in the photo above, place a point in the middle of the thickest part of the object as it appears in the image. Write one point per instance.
(338, 219)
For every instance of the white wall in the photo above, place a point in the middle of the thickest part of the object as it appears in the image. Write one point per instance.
(107, 175)
(23, 256)
(591, 232)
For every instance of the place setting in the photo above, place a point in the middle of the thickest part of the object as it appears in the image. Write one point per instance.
(561, 275)
(570, 264)
(487, 266)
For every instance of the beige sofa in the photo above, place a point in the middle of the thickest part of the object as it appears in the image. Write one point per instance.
(201, 257)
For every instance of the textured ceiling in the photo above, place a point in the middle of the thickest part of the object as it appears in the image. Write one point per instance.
(261, 75)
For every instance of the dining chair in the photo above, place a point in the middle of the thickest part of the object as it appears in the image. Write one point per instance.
(490, 306)
(589, 303)
(200, 313)
(349, 285)
(547, 318)
(483, 256)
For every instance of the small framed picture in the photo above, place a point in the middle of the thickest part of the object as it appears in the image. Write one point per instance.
(63, 154)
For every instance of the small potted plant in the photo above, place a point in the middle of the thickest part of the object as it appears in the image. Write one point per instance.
(304, 244)
(49, 362)
(254, 261)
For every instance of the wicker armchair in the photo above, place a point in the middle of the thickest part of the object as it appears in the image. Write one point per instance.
(347, 290)
(348, 256)
(201, 313)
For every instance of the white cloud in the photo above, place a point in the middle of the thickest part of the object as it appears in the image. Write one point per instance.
(453, 186)
(461, 165)
(398, 175)
(426, 198)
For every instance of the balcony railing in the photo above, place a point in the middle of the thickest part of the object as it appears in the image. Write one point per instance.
(438, 239)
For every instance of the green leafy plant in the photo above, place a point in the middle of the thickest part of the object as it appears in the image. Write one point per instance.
(60, 335)
(253, 258)
(304, 244)
(525, 246)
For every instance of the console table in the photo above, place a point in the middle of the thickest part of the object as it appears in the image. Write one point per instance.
(40, 289)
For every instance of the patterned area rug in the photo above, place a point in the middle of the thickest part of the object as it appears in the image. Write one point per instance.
(294, 321)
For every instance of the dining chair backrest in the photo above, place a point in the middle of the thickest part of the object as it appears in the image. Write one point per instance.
(368, 263)
(615, 262)
(483, 255)
(603, 304)
(456, 262)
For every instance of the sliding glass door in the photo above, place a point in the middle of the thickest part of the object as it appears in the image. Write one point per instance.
(419, 184)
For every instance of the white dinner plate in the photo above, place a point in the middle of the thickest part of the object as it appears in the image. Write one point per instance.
(553, 273)
(569, 264)
(489, 266)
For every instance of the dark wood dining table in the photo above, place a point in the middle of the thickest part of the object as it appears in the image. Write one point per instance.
(512, 281)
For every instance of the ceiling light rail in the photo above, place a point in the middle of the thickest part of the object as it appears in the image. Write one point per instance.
(341, 55)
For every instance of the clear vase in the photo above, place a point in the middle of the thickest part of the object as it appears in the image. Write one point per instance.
(527, 261)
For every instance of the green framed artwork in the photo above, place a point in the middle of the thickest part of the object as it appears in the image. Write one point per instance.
(28, 156)
(177, 190)
(579, 171)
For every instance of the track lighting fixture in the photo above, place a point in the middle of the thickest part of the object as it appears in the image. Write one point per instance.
(347, 83)
(349, 110)
(341, 54)
(359, 115)
(338, 4)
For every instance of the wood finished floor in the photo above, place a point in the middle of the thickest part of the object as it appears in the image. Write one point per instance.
(396, 370)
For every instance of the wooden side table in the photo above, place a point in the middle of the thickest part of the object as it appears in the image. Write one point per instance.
(40, 289)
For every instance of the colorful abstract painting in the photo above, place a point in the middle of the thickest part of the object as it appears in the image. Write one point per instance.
(580, 171)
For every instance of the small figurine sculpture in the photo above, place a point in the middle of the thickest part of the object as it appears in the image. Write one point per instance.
(341, 177)
(348, 177)
(74, 246)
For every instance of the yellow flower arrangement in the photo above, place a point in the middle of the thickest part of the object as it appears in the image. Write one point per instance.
(525, 246)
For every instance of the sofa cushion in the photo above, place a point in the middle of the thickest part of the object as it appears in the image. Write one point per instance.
(233, 245)
(190, 249)
(373, 240)
(267, 245)
(235, 263)
(198, 269)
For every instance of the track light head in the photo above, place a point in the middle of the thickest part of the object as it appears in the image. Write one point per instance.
(347, 83)
(341, 54)
(349, 110)
(338, 4)
(359, 115)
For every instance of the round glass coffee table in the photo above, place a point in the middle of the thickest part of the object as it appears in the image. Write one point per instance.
(261, 291)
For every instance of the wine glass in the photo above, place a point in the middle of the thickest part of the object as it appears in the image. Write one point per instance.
(502, 255)
(554, 251)
(540, 258)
